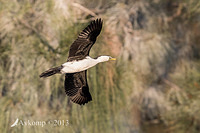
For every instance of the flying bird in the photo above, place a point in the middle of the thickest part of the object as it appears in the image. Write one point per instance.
(75, 69)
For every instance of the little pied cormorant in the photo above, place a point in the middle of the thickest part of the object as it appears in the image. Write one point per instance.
(75, 69)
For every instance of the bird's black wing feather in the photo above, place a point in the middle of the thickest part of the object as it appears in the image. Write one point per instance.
(82, 45)
(76, 87)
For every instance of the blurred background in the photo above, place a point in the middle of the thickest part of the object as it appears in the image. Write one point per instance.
(153, 87)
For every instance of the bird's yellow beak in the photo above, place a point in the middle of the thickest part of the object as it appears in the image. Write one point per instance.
(112, 59)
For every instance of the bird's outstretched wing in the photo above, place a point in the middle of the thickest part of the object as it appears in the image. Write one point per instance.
(76, 87)
(82, 45)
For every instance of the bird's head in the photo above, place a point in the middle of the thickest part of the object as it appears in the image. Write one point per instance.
(105, 58)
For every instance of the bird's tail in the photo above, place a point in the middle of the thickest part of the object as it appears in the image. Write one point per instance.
(50, 72)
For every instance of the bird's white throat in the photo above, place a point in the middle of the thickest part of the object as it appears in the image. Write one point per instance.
(81, 65)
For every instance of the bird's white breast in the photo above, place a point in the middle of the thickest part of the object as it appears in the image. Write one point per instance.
(78, 66)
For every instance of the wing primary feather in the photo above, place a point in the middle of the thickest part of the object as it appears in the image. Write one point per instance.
(75, 98)
(87, 36)
(79, 98)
